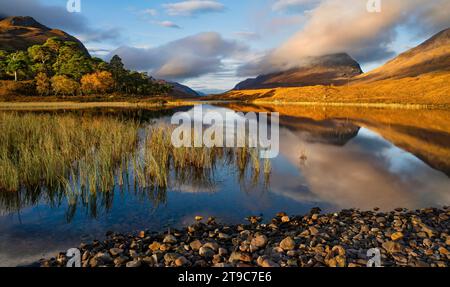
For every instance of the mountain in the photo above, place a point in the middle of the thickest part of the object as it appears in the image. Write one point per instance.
(433, 55)
(20, 33)
(334, 69)
(182, 91)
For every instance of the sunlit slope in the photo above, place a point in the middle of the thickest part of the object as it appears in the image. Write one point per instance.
(428, 89)
(418, 76)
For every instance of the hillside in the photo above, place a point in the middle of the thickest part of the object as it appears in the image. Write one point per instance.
(430, 56)
(20, 33)
(335, 69)
(418, 76)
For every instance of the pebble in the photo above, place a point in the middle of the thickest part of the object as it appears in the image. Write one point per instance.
(408, 238)
(287, 244)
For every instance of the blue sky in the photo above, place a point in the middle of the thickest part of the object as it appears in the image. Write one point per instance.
(212, 44)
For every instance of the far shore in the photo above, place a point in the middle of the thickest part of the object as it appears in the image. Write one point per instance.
(70, 104)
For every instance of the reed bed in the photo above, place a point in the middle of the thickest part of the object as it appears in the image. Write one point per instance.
(82, 160)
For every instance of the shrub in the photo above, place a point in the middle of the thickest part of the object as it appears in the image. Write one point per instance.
(62, 85)
(98, 82)
(43, 85)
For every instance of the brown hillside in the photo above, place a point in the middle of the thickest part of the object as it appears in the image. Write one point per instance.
(20, 33)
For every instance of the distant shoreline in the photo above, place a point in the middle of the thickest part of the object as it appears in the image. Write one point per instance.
(21, 105)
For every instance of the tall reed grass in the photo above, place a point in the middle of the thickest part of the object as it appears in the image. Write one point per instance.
(83, 159)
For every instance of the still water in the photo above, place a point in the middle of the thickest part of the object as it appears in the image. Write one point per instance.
(328, 159)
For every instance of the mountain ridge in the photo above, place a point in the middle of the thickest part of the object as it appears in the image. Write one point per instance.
(22, 32)
(332, 69)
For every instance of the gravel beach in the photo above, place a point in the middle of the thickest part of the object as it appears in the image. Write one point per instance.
(417, 238)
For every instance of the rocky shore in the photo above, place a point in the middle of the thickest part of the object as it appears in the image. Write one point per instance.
(417, 238)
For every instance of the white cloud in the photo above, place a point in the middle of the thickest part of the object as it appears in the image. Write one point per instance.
(185, 58)
(293, 5)
(336, 26)
(168, 24)
(193, 7)
(151, 12)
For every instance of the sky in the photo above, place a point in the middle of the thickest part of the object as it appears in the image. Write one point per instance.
(211, 45)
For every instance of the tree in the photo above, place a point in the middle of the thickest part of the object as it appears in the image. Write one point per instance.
(43, 57)
(3, 63)
(118, 72)
(54, 44)
(71, 61)
(63, 85)
(17, 62)
(98, 82)
(43, 84)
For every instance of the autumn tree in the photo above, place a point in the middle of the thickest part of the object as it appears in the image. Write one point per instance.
(43, 84)
(98, 82)
(63, 85)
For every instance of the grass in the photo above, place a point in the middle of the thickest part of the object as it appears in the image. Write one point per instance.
(84, 159)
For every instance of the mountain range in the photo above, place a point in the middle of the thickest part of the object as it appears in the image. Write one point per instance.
(340, 69)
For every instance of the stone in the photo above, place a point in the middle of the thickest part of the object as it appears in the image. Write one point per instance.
(287, 244)
(206, 252)
(341, 261)
(121, 260)
(115, 251)
(170, 239)
(222, 235)
(133, 264)
(443, 250)
(264, 261)
(397, 236)
(170, 257)
(240, 256)
(195, 245)
(223, 252)
(198, 218)
(428, 230)
(392, 247)
(211, 245)
(314, 231)
(182, 261)
(154, 246)
(142, 234)
(285, 219)
(259, 241)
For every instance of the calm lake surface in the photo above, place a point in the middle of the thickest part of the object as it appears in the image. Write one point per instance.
(329, 158)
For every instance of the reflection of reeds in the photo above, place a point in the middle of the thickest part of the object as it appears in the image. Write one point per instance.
(83, 159)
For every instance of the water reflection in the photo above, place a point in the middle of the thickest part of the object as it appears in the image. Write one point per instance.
(329, 158)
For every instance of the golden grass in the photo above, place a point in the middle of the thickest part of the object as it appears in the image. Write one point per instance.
(83, 159)
(429, 89)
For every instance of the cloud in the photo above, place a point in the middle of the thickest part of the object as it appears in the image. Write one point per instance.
(247, 35)
(293, 5)
(56, 17)
(151, 12)
(168, 24)
(193, 7)
(185, 58)
(335, 26)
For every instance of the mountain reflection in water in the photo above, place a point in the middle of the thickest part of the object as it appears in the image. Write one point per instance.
(331, 158)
